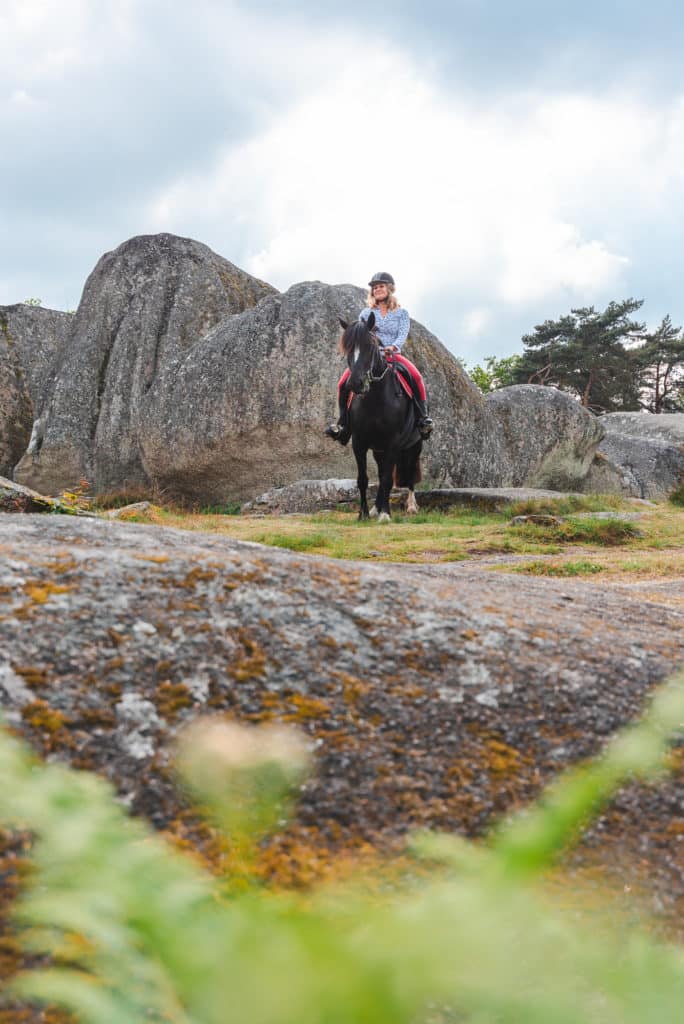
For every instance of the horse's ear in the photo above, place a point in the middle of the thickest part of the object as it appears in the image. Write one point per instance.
(370, 322)
(343, 323)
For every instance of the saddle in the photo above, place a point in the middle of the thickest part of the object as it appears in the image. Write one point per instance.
(402, 375)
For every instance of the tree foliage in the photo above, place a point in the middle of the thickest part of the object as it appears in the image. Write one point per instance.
(587, 353)
(661, 368)
(607, 359)
(496, 373)
(137, 933)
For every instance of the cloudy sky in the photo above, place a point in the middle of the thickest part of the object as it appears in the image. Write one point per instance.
(506, 161)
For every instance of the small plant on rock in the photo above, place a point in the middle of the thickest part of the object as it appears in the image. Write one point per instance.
(127, 931)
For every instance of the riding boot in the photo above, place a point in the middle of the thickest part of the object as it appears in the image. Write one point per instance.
(341, 431)
(425, 423)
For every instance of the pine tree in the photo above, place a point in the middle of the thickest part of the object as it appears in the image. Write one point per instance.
(587, 354)
(661, 361)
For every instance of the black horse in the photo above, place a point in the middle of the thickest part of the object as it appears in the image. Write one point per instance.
(382, 418)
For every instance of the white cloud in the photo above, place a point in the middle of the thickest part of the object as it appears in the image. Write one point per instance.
(380, 169)
(301, 152)
(475, 322)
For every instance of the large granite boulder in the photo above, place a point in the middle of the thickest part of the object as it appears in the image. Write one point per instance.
(246, 409)
(666, 426)
(39, 337)
(467, 447)
(641, 456)
(638, 467)
(16, 414)
(144, 307)
(186, 376)
(31, 341)
(440, 696)
(548, 439)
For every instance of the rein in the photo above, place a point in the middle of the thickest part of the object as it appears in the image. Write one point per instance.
(369, 373)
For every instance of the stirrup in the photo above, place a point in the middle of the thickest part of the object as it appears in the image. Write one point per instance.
(338, 433)
(425, 427)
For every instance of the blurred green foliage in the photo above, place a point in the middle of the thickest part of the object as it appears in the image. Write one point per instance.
(496, 373)
(136, 932)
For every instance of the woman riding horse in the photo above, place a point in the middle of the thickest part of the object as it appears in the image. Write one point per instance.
(382, 419)
(391, 329)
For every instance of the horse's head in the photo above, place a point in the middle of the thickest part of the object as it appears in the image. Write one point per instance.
(362, 350)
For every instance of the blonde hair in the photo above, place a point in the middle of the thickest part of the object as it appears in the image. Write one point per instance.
(392, 302)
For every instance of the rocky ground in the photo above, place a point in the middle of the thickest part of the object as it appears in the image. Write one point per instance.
(434, 696)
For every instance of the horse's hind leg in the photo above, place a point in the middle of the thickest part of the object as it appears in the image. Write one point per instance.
(362, 481)
(408, 474)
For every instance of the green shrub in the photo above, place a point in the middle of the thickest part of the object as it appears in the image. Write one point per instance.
(677, 496)
(231, 508)
(137, 933)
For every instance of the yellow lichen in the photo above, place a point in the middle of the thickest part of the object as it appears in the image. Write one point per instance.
(170, 698)
(32, 675)
(306, 708)
(251, 663)
(40, 593)
(40, 715)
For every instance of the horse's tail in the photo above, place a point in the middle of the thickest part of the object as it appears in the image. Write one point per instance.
(407, 472)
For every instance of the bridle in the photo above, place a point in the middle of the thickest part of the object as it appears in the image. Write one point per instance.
(369, 377)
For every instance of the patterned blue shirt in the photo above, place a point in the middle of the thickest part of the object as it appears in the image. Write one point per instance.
(391, 329)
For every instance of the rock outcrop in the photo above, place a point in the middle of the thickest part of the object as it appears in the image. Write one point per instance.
(248, 405)
(548, 439)
(641, 456)
(31, 343)
(308, 496)
(39, 337)
(638, 467)
(485, 686)
(187, 377)
(17, 498)
(667, 427)
(16, 413)
(144, 307)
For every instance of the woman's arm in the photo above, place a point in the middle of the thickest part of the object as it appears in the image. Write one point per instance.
(403, 325)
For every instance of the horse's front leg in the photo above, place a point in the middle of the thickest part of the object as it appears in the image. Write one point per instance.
(386, 463)
(362, 480)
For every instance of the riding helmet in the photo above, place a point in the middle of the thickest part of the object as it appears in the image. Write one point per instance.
(381, 278)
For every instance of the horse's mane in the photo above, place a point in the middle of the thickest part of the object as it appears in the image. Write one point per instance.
(354, 335)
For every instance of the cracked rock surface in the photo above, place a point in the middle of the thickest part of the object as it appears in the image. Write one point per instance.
(432, 697)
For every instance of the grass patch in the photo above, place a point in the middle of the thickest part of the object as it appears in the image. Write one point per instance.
(582, 567)
(566, 505)
(121, 498)
(313, 542)
(604, 532)
(655, 542)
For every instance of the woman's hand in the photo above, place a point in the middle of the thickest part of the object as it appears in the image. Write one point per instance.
(391, 349)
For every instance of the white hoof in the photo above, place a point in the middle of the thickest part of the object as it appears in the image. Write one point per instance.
(411, 504)
(384, 518)
(373, 513)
